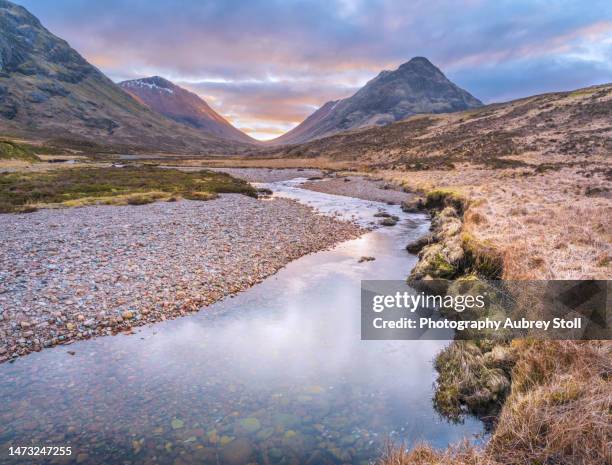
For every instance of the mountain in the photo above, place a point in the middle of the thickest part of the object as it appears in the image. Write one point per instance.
(168, 99)
(542, 132)
(415, 87)
(49, 91)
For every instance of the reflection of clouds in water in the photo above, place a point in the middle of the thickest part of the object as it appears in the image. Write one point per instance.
(299, 328)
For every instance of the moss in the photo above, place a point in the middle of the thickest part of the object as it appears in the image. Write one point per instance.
(441, 268)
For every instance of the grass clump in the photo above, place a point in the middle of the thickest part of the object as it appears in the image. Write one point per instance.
(198, 195)
(560, 408)
(483, 259)
(112, 186)
(470, 381)
(439, 198)
(10, 150)
(558, 411)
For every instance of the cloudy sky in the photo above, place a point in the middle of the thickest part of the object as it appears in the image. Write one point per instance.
(267, 64)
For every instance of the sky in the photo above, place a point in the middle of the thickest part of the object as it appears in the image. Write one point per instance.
(266, 65)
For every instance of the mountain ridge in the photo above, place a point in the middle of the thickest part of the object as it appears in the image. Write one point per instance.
(48, 90)
(415, 87)
(539, 128)
(183, 106)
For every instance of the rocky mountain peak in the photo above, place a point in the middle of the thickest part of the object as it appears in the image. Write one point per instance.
(415, 87)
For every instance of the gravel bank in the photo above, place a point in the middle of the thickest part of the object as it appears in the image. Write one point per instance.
(75, 273)
(359, 187)
(269, 174)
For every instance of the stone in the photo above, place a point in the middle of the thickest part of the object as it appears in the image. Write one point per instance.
(417, 245)
(177, 423)
(238, 452)
(390, 221)
(250, 425)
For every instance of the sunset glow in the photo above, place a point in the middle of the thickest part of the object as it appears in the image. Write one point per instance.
(266, 65)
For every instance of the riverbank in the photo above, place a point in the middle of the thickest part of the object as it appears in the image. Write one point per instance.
(547, 400)
(81, 272)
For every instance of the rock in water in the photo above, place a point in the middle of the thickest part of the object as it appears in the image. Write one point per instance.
(237, 452)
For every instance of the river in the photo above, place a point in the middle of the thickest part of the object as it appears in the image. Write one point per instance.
(274, 375)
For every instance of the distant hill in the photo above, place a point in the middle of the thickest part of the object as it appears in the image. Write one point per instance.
(415, 87)
(183, 106)
(48, 90)
(549, 129)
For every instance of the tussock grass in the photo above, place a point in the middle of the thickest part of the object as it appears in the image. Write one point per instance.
(424, 454)
(111, 186)
(440, 198)
(472, 378)
(559, 410)
(560, 407)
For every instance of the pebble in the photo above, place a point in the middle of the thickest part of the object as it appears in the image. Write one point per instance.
(104, 269)
(360, 188)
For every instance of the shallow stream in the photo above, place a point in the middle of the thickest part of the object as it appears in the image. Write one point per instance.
(275, 375)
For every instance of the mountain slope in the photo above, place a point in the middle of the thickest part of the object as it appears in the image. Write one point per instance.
(168, 99)
(415, 87)
(543, 129)
(47, 90)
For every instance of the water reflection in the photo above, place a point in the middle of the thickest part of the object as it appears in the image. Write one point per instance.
(276, 375)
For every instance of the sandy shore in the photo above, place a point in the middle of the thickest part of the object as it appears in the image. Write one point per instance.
(361, 188)
(76, 273)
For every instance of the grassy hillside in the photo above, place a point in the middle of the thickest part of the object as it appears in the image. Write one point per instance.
(528, 132)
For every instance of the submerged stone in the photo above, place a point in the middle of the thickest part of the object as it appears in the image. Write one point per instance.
(250, 425)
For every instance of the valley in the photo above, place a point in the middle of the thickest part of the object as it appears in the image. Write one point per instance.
(175, 291)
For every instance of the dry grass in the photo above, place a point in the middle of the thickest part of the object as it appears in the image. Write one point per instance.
(560, 409)
(423, 454)
(559, 412)
(551, 225)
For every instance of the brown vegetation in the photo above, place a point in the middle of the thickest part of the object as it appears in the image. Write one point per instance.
(557, 413)
(563, 123)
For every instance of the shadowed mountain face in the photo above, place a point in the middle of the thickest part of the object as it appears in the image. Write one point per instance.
(47, 90)
(415, 87)
(168, 99)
